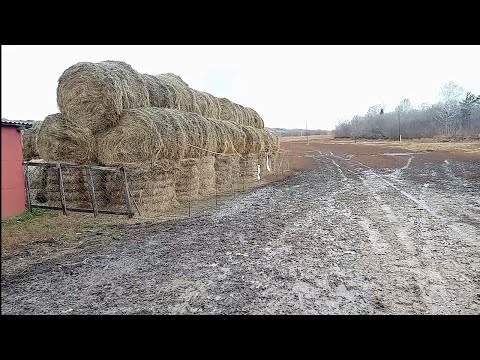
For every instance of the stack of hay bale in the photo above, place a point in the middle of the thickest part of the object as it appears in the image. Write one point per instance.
(177, 143)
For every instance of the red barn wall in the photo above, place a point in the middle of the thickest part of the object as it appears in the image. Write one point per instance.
(13, 183)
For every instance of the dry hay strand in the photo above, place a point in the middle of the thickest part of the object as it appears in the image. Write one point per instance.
(152, 187)
(29, 141)
(95, 94)
(227, 171)
(144, 135)
(206, 175)
(187, 180)
(58, 140)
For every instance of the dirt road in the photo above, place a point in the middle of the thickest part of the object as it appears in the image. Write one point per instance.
(348, 236)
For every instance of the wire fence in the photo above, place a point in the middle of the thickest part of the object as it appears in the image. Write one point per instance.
(157, 194)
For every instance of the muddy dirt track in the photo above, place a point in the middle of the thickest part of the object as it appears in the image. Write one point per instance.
(383, 233)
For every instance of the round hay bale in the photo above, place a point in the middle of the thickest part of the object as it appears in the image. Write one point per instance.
(176, 92)
(254, 142)
(271, 140)
(67, 142)
(144, 135)
(257, 120)
(29, 141)
(237, 136)
(94, 94)
(223, 136)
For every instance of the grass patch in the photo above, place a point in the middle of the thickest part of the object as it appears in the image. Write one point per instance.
(25, 217)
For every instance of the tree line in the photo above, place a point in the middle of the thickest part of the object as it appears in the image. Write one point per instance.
(454, 116)
(299, 132)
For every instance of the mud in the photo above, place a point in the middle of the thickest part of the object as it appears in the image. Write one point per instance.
(357, 233)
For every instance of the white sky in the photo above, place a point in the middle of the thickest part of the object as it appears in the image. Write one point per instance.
(287, 85)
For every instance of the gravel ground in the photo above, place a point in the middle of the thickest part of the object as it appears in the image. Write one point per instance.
(341, 238)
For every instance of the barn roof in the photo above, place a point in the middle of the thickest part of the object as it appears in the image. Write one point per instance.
(20, 124)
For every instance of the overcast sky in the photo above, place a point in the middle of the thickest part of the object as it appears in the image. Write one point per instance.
(287, 85)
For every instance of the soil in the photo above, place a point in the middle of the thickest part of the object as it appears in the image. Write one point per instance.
(362, 229)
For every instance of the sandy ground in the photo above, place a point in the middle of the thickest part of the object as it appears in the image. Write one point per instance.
(366, 230)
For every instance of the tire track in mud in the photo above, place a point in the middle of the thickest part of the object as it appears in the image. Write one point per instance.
(437, 293)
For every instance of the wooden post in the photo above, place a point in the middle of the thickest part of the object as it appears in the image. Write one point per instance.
(62, 191)
(91, 190)
(27, 187)
(127, 193)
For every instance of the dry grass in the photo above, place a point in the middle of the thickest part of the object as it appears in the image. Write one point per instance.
(42, 226)
(421, 146)
(416, 145)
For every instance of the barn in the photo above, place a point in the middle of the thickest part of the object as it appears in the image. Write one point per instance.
(13, 181)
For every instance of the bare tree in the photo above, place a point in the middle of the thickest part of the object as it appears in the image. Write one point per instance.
(374, 110)
(355, 127)
(449, 106)
(455, 114)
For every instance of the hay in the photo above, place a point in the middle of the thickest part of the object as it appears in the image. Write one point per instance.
(67, 142)
(254, 142)
(76, 188)
(206, 175)
(227, 171)
(29, 141)
(143, 135)
(37, 178)
(169, 91)
(148, 134)
(200, 134)
(270, 140)
(94, 94)
(187, 180)
(152, 187)
(256, 119)
(248, 169)
(45, 187)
